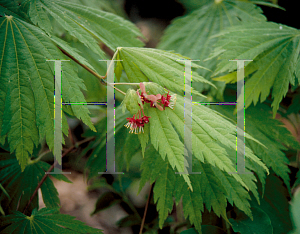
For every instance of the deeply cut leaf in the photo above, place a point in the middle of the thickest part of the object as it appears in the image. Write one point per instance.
(21, 185)
(89, 25)
(274, 50)
(271, 133)
(165, 139)
(27, 87)
(190, 35)
(44, 221)
(161, 67)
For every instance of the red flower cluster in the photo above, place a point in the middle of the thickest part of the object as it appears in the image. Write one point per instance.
(168, 101)
(155, 100)
(159, 101)
(136, 125)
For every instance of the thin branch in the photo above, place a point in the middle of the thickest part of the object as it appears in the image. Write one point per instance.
(91, 71)
(179, 212)
(51, 168)
(120, 91)
(79, 63)
(106, 49)
(146, 208)
(71, 136)
(40, 156)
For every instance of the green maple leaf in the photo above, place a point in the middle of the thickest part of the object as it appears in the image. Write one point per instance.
(26, 92)
(272, 214)
(162, 67)
(87, 24)
(209, 147)
(190, 35)
(155, 169)
(165, 139)
(235, 193)
(211, 133)
(44, 221)
(212, 187)
(21, 185)
(208, 190)
(15, 8)
(38, 15)
(271, 133)
(71, 50)
(274, 50)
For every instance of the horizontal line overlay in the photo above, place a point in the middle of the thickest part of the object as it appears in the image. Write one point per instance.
(104, 103)
(84, 103)
(215, 103)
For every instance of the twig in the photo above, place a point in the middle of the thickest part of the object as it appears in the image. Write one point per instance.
(106, 49)
(40, 156)
(79, 63)
(71, 136)
(179, 212)
(51, 168)
(146, 208)
(120, 91)
(90, 70)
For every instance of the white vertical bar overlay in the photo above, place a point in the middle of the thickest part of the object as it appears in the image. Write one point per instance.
(240, 127)
(188, 150)
(110, 135)
(57, 120)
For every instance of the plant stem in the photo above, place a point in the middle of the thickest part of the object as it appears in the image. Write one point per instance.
(179, 212)
(146, 208)
(40, 156)
(120, 91)
(71, 136)
(51, 168)
(90, 70)
(79, 63)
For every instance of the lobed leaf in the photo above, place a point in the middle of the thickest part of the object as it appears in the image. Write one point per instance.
(160, 171)
(44, 221)
(26, 93)
(191, 35)
(270, 132)
(38, 15)
(210, 133)
(165, 140)
(21, 185)
(90, 25)
(274, 50)
(162, 67)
